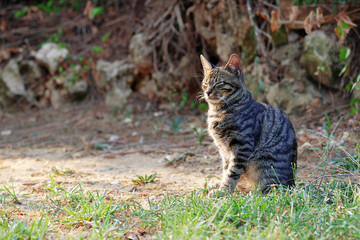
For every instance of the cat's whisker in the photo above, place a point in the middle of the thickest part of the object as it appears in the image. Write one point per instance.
(200, 97)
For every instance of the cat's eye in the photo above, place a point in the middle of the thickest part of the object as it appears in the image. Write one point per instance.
(227, 89)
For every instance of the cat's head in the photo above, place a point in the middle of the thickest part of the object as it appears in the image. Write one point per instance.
(223, 84)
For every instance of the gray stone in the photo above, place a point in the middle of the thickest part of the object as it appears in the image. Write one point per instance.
(117, 96)
(12, 78)
(119, 76)
(141, 53)
(287, 53)
(73, 84)
(258, 80)
(110, 71)
(50, 55)
(321, 59)
(14, 83)
(292, 94)
(56, 99)
(302, 93)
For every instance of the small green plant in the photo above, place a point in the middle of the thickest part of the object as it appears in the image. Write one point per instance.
(184, 99)
(102, 146)
(105, 37)
(200, 107)
(51, 6)
(142, 180)
(22, 12)
(74, 78)
(203, 107)
(344, 57)
(354, 87)
(175, 124)
(320, 68)
(350, 163)
(62, 172)
(56, 37)
(96, 11)
(200, 133)
(13, 195)
(97, 49)
(327, 126)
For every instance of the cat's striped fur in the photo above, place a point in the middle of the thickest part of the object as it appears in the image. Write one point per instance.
(256, 141)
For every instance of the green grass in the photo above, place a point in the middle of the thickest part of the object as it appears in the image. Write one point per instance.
(327, 211)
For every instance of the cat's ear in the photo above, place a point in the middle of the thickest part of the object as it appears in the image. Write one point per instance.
(207, 66)
(234, 65)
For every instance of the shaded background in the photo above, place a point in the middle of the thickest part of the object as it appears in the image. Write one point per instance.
(59, 52)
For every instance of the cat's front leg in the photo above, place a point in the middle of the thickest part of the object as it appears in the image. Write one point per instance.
(215, 189)
(231, 176)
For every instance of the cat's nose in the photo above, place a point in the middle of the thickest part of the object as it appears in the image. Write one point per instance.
(209, 92)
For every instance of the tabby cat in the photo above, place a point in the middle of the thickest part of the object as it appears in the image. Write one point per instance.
(256, 141)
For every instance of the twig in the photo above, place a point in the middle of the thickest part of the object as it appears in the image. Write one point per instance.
(259, 40)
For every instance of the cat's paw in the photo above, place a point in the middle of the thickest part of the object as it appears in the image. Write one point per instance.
(221, 192)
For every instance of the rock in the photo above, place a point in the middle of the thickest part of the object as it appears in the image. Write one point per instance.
(12, 78)
(79, 88)
(50, 55)
(287, 53)
(72, 82)
(257, 81)
(302, 93)
(14, 83)
(117, 96)
(119, 75)
(109, 71)
(141, 53)
(321, 59)
(149, 88)
(56, 99)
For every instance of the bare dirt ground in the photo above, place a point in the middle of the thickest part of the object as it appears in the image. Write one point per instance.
(105, 149)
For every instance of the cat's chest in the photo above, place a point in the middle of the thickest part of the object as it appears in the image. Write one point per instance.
(221, 129)
(225, 128)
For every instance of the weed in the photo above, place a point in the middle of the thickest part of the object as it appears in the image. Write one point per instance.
(13, 195)
(56, 37)
(175, 124)
(327, 125)
(105, 37)
(351, 87)
(351, 163)
(96, 11)
(74, 78)
(22, 12)
(62, 172)
(26, 229)
(142, 180)
(184, 99)
(200, 133)
(97, 49)
(102, 146)
(203, 107)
